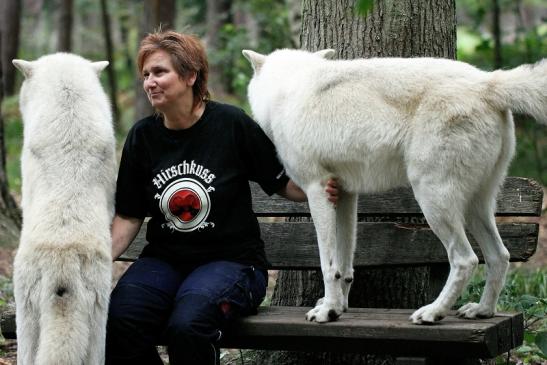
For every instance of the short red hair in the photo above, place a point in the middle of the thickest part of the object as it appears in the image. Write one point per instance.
(187, 56)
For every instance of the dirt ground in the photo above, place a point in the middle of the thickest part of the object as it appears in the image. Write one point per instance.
(8, 348)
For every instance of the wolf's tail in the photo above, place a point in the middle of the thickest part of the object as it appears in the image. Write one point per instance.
(522, 89)
(72, 303)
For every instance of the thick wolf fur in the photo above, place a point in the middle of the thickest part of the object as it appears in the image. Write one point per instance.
(62, 269)
(443, 127)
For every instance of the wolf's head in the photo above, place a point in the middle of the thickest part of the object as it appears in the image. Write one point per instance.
(273, 74)
(56, 79)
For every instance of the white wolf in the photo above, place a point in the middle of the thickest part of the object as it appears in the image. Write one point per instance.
(62, 269)
(441, 126)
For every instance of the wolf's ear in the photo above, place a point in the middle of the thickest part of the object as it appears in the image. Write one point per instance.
(326, 53)
(24, 66)
(99, 66)
(256, 59)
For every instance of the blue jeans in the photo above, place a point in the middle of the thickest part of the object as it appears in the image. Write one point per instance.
(188, 310)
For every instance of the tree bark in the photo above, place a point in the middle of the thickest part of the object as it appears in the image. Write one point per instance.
(110, 69)
(10, 216)
(217, 15)
(157, 14)
(393, 28)
(10, 23)
(66, 20)
(496, 31)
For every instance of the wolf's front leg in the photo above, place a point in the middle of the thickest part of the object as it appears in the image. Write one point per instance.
(346, 222)
(323, 213)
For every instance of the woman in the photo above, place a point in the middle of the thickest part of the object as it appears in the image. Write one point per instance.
(188, 168)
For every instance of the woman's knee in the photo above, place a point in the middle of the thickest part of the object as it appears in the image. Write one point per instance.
(195, 316)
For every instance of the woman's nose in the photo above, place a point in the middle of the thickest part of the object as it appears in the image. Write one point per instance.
(149, 83)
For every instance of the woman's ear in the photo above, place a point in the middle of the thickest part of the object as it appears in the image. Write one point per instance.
(192, 79)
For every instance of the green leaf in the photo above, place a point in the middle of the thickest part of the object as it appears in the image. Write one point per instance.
(524, 349)
(364, 6)
(541, 341)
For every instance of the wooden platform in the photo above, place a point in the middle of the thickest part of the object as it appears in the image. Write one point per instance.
(376, 331)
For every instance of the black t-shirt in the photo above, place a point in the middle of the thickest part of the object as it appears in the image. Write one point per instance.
(194, 184)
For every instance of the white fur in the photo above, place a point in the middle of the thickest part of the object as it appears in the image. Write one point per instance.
(62, 270)
(441, 126)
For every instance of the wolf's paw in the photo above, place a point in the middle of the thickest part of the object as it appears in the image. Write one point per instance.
(474, 310)
(324, 312)
(428, 314)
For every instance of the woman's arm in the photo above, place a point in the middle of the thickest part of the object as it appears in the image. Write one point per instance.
(124, 230)
(293, 192)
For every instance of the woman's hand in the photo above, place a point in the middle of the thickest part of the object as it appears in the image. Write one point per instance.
(294, 193)
(332, 190)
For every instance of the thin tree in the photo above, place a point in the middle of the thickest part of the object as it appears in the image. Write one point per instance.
(10, 216)
(157, 14)
(10, 21)
(496, 31)
(217, 15)
(66, 20)
(110, 69)
(403, 28)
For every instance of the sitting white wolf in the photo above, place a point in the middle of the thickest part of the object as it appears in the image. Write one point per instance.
(441, 126)
(63, 267)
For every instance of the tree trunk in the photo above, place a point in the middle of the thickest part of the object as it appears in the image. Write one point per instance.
(66, 20)
(10, 216)
(217, 15)
(157, 14)
(402, 28)
(10, 21)
(110, 69)
(496, 31)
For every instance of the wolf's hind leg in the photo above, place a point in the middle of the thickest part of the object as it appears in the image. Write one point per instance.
(482, 225)
(324, 216)
(27, 314)
(346, 222)
(442, 208)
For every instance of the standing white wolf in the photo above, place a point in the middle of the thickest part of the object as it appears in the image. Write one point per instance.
(62, 270)
(441, 126)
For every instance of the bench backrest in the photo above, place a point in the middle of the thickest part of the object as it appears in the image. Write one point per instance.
(391, 228)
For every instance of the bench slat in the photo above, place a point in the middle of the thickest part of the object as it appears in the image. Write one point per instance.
(519, 196)
(293, 245)
(364, 330)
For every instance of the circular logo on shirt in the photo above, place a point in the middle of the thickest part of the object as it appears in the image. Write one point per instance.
(186, 204)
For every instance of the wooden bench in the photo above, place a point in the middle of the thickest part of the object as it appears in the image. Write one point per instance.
(391, 231)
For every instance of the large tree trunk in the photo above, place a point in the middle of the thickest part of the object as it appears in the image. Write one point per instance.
(66, 20)
(156, 14)
(402, 28)
(10, 21)
(10, 217)
(110, 69)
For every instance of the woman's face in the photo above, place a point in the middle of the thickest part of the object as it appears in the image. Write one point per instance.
(162, 84)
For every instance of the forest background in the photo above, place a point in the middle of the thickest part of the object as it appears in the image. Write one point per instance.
(491, 34)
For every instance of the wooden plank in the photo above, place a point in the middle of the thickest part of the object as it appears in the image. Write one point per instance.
(364, 330)
(519, 196)
(293, 245)
(368, 331)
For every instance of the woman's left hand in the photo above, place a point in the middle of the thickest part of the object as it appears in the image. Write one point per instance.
(332, 190)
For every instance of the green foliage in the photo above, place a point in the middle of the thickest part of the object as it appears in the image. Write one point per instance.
(6, 292)
(525, 291)
(363, 7)
(13, 129)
